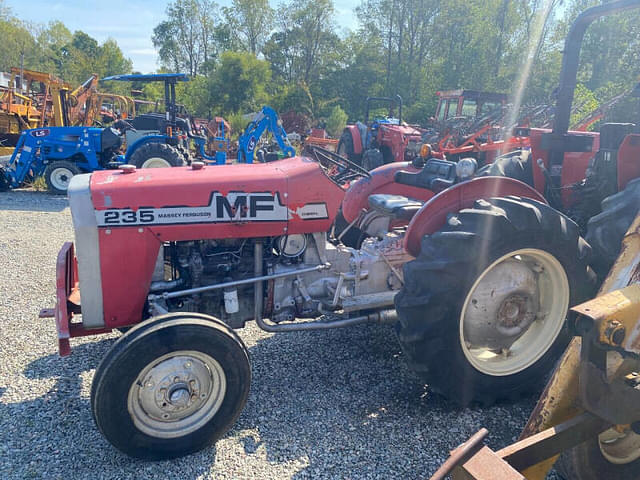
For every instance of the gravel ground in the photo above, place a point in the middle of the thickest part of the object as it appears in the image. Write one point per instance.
(337, 404)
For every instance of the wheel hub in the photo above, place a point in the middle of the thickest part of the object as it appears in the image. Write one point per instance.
(176, 394)
(514, 312)
(61, 178)
(503, 305)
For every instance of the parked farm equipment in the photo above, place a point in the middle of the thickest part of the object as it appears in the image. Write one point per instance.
(266, 120)
(589, 413)
(481, 271)
(381, 141)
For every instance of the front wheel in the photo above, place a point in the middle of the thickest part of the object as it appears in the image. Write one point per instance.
(171, 386)
(58, 175)
(482, 311)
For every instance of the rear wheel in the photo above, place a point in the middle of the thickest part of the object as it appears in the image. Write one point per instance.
(610, 455)
(171, 386)
(515, 165)
(606, 230)
(157, 155)
(58, 174)
(482, 311)
(372, 159)
(346, 148)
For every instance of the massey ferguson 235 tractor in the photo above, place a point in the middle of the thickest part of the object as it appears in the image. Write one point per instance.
(480, 270)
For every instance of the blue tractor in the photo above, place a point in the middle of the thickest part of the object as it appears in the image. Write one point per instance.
(267, 119)
(58, 153)
(163, 139)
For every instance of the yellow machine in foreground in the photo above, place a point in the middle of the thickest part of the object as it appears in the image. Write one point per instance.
(590, 410)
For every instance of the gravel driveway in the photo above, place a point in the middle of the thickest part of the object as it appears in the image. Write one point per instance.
(337, 404)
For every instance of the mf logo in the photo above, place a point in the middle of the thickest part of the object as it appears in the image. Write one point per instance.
(233, 207)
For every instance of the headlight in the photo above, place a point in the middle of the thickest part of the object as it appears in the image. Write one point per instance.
(425, 150)
(466, 168)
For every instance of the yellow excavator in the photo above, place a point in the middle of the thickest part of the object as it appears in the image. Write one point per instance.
(41, 101)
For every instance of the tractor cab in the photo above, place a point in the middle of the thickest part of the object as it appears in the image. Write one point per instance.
(467, 104)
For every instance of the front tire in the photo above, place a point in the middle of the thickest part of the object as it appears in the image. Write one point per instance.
(171, 386)
(156, 155)
(482, 311)
(58, 174)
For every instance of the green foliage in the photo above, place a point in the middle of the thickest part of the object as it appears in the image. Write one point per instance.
(238, 124)
(292, 57)
(240, 83)
(584, 102)
(336, 121)
(54, 49)
(250, 22)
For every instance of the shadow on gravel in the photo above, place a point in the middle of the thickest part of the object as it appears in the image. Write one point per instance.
(331, 404)
(345, 403)
(32, 201)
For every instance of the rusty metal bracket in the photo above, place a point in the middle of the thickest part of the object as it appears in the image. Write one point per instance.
(472, 461)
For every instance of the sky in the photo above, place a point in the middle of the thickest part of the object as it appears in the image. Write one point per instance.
(129, 22)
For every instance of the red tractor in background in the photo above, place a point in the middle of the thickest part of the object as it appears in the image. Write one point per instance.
(481, 268)
(384, 140)
(461, 103)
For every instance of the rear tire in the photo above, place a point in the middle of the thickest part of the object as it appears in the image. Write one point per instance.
(157, 155)
(346, 148)
(514, 260)
(586, 462)
(58, 174)
(516, 165)
(606, 230)
(171, 386)
(372, 159)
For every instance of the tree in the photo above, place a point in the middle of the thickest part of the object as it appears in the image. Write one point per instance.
(240, 83)
(187, 39)
(336, 121)
(251, 22)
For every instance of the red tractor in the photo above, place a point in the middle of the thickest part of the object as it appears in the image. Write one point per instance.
(384, 140)
(476, 272)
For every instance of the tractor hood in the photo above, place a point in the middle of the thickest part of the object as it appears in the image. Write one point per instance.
(290, 190)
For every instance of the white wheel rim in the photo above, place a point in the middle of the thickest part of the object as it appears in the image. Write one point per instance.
(619, 448)
(60, 178)
(155, 162)
(177, 394)
(514, 312)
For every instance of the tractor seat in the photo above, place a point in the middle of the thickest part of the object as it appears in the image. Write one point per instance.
(395, 206)
(436, 175)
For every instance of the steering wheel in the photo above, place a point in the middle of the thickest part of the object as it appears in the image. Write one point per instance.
(123, 126)
(337, 167)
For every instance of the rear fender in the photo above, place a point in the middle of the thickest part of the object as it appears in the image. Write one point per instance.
(433, 214)
(382, 180)
(628, 165)
(355, 136)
